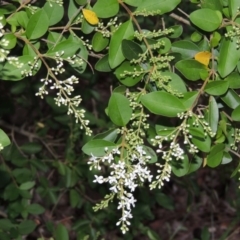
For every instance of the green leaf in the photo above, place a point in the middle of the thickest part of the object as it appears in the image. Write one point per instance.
(228, 56)
(67, 47)
(12, 40)
(131, 50)
(206, 19)
(150, 152)
(11, 73)
(227, 158)
(195, 164)
(110, 135)
(231, 98)
(133, 3)
(180, 167)
(5, 224)
(203, 144)
(163, 6)
(31, 147)
(106, 8)
(96, 147)
(35, 209)
(176, 83)
(166, 47)
(178, 30)
(213, 115)
(212, 4)
(54, 12)
(26, 227)
(165, 201)
(186, 48)
(129, 80)
(125, 31)
(233, 80)
(119, 109)
(102, 64)
(216, 88)
(189, 99)
(38, 25)
(196, 36)
(27, 185)
(74, 198)
(99, 42)
(234, 8)
(4, 139)
(216, 37)
(236, 114)
(170, 105)
(61, 233)
(191, 69)
(215, 156)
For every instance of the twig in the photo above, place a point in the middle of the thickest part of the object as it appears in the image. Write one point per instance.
(180, 19)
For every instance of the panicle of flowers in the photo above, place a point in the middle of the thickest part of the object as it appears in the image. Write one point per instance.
(106, 29)
(32, 67)
(32, 9)
(59, 2)
(3, 54)
(146, 13)
(15, 62)
(234, 33)
(236, 136)
(135, 73)
(152, 34)
(125, 176)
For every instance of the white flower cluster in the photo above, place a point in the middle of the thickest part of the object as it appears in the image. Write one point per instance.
(3, 43)
(107, 30)
(125, 176)
(1, 147)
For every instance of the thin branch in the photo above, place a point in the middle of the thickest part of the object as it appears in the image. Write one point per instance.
(180, 19)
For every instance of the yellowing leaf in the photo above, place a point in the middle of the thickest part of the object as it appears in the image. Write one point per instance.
(203, 57)
(90, 16)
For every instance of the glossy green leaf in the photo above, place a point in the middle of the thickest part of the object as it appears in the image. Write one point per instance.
(109, 135)
(99, 42)
(236, 114)
(151, 153)
(195, 164)
(74, 198)
(196, 36)
(234, 8)
(11, 73)
(180, 168)
(166, 45)
(231, 98)
(163, 6)
(66, 48)
(213, 115)
(38, 25)
(206, 19)
(61, 233)
(102, 64)
(189, 99)
(212, 4)
(176, 82)
(203, 144)
(128, 80)
(215, 156)
(133, 3)
(227, 158)
(191, 69)
(216, 37)
(216, 88)
(4, 139)
(86, 27)
(233, 80)
(96, 147)
(6, 224)
(228, 56)
(131, 50)
(196, 132)
(54, 12)
(119, 109)
(178, 30)
(125, 31)
(170, 105)
(106, 8)
(186, 48)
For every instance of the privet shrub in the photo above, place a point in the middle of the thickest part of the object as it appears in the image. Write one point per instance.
(175, 102)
